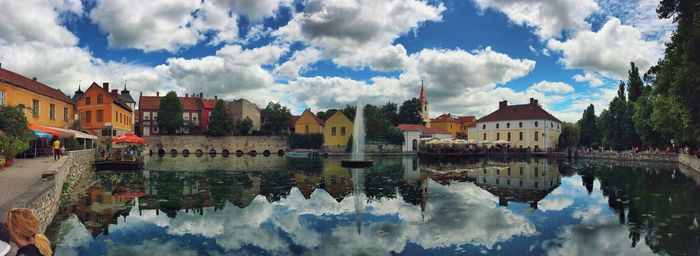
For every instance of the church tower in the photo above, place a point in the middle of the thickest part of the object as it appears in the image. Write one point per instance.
(424, 115)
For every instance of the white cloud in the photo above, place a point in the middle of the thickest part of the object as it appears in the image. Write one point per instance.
(608, 51)
(37, 21)
(230, 72)
(351, 31)
(589, 77)
(605, 239)
(554, 203)
(298, 63)
(548, 18)
(642, 15)
(258, 9)
(552, 87)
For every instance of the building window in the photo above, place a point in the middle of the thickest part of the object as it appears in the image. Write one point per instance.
(155, 129)
(306, 129)
(536, 123)
(521, 171)
(35, 107)
(100, 99)
(483, 127)
(52, 111)
(484, 136)
(551, 124)
(498, 172)
(557, 127)
(521, 183)
(147, 116)
(520, 124)
(537, 171)
(508, 182)
(106, 132)
(3, 98)
(99, 115)
(508, 171)
(65, 114)
(186, 116)
(342, 131)
(521, 136)
(498, 136)
(507, 125)
(498, 126)
(88, 116)
(332, 131)
(87, 100)
(537, 136)
(508, 136)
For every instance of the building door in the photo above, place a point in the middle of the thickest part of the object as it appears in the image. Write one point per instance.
(415, 145)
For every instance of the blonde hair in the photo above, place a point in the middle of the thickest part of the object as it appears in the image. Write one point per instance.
(22, 223)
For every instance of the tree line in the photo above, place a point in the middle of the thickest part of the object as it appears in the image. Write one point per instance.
(660, 107)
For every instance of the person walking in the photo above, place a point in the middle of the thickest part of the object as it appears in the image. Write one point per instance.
(21, 227)
(56, 149)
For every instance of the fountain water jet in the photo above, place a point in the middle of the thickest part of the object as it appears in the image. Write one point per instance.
(358, 142)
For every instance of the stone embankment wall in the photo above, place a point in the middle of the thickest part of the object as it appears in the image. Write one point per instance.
(232, 144)
(44, 197)
(686, 160)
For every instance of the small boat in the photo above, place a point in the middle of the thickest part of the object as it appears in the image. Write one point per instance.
(298, 154)
(118, 165)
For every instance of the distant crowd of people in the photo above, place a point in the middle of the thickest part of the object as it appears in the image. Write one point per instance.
(655, 150)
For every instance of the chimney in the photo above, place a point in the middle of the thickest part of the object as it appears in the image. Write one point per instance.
(536, 103)
(186, 95)
(216, 97)
(34, 79)
(157, 94)
(201, 95)
(502, 104)
(532, 101)
(115, 92)
(105, 86)
(0, 65)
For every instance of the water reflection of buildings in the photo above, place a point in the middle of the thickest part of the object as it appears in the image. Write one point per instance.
(103, 203)
(525, 182)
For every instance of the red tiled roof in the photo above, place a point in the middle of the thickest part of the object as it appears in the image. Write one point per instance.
(153, 102)
(421, 128)
(208, 103)
(295, 119)
(28, 84)
(467, 119)
(523, 111)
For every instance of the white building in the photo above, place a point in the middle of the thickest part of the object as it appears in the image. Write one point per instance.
(412, 133)
(525, 125)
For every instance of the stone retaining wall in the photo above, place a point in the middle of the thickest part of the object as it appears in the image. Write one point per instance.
(685, 160)
(232, 144)
(44, 197)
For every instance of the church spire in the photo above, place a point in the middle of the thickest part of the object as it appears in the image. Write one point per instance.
(424, 114)
(422, 91)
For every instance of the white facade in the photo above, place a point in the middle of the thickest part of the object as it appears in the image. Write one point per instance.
(541, 133)
(411, 139)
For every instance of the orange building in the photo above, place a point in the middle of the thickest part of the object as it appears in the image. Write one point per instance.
(102, 112)
(454, 124)
(43, 104)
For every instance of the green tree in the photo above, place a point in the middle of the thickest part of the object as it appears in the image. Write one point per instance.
(569, 135)
(244, 126)
(410, 112)
(14, 123)
(390, 111)
(324, 115)
(170, 113)
(616, 124)
(375, 118)
(634, 83)
(276, 118)
(643, 122)
(72, 144)
(588, 128)
(349, 111)
(220, 123)
(676, 107)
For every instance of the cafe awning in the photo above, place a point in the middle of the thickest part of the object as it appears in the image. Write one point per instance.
(34, 127)
(70, 133)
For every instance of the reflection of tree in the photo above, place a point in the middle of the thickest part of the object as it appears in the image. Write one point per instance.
(228, 186)
(382, 181)
(411, 193)
(662, 205)
(275, 185)
(170, 186)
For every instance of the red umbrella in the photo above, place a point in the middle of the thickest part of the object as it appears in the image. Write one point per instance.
(129, 138)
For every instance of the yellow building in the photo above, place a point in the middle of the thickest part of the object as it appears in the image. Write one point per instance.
(524, 126)
(102, 112)
(43, 105)
(308, 123)
(337, 131)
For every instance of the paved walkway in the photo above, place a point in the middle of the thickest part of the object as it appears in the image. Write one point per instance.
(21, 176)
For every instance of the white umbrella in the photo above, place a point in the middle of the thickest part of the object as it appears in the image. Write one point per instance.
(502, 142)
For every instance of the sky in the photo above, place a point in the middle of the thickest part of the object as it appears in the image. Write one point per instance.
(320, 54)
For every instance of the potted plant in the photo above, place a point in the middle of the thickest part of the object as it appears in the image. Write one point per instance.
(12, 146)
(2, 161)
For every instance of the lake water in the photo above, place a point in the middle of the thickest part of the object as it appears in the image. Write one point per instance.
(401, 206)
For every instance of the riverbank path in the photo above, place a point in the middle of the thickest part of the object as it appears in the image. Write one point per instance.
(21, 176)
